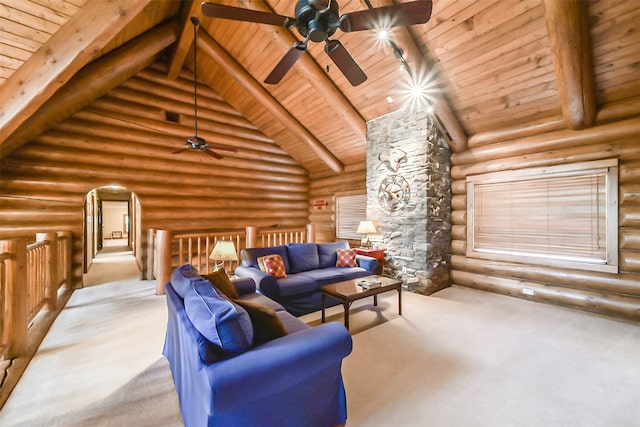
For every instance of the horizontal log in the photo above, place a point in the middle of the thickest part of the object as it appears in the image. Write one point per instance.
(550, 142)
(628, 284)
(459, 217)
(630, 262)
(629, 216)
(204, 204)
(626, 149)
(630, 238)
(179, 214)
(459, 202)
(629, 194)
(629, 172)
(516, 132)
(223, 224)
(459, 247)
(459, 187)
(459, 232)
(617, 111)
(157, 73)
(615, 305)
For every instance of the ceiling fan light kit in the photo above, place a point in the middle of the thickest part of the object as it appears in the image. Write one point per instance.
(317, 20)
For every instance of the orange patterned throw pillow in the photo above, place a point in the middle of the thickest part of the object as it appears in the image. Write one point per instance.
(346, 258)
(274, 265)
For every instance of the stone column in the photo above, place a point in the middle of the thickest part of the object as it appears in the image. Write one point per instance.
(409, 197)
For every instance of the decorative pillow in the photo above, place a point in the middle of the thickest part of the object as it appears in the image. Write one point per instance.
(221, 281)
(346, 258)
(266, 323)
(274, 265)
(327, 252)
(224, 324)
(260, 261)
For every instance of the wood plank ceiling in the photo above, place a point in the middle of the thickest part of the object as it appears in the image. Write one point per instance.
(494, 68)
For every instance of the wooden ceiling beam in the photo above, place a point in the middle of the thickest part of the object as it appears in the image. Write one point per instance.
(211, 48)
(94, 81)
(66, 52)
(186, 38)
(571, 50)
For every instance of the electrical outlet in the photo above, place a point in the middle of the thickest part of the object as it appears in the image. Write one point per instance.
(527, 291)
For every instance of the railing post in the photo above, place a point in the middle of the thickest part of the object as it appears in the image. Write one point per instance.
(15, 326)
(311, 233)
(149, 272)
(251, 237)
(163, 258)
(51, 274)
(65, 265)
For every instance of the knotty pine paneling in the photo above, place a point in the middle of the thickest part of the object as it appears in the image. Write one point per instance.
(125, 139)
(611, 294)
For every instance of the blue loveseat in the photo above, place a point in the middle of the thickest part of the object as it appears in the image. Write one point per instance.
(308, 266)
(224, 379)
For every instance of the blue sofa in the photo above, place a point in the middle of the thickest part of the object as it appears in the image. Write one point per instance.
(308, 266)
(224, 379)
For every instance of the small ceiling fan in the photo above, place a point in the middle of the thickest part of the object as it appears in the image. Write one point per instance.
(196, 142)
(317, 20)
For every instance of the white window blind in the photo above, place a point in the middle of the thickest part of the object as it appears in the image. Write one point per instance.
(350, 210)
(565, 215)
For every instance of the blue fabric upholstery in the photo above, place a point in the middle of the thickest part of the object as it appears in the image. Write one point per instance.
(327, 252)
(311, 265)
(250, 256)
(303, 257)
(261, 299)
(294, 380)
(182, 277)
(224, 324)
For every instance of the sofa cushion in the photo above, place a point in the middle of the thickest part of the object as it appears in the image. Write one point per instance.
(182, 277)
(352, 272)
(226, 325)
(250, 255)
(221, 281)
(266, 323)
(274, 265)
(324, 276)
(296, 284)
(261, 299)
(291, 323)
(346, 258)
(303, 257)
(327, 252)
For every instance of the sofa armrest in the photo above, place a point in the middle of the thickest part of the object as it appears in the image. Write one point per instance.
(244, 285)
(367, 262)
(267, 283)
(278, 365)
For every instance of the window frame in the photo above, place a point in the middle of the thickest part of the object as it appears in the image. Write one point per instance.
(610, 262)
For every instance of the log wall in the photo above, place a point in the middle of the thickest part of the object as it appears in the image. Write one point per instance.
(126, 138)
(353, 181)
(610, 294)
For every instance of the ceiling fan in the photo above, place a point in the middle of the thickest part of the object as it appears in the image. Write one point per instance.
(317, 20)
(196, 142)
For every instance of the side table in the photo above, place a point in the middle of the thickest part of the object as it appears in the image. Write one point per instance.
(374, 253)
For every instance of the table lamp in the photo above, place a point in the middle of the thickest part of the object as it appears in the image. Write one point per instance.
(224, 250)
(366, 228)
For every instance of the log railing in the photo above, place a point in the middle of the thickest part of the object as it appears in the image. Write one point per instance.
(171, 249)
(31, 274)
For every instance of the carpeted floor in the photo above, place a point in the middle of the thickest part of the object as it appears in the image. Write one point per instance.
(457, 358)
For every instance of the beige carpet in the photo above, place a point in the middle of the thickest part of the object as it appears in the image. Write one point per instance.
(457, 358)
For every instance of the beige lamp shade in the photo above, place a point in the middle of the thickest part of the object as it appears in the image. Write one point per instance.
(224, 250)
(366, 227)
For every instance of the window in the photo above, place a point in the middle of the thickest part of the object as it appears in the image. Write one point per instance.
(350, 210)
(563, 216)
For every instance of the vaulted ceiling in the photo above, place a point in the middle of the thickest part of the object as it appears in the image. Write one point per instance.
(493, 69)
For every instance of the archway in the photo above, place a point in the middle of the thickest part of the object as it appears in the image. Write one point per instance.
(111, 224)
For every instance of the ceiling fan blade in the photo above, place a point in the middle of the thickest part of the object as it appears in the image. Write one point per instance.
(345, 62)
(223, 147)
(181, 150)
(397, 15)
(213, 153)
(239, 14)
(286, 63)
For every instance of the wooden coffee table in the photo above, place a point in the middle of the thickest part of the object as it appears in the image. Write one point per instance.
(349, 291)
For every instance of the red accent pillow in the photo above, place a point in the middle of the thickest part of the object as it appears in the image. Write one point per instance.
(274, 265)
(346, 258)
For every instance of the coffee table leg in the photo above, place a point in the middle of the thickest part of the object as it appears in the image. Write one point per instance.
(346, 315)
(375, 300)
(400, 300)
(323, 308)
